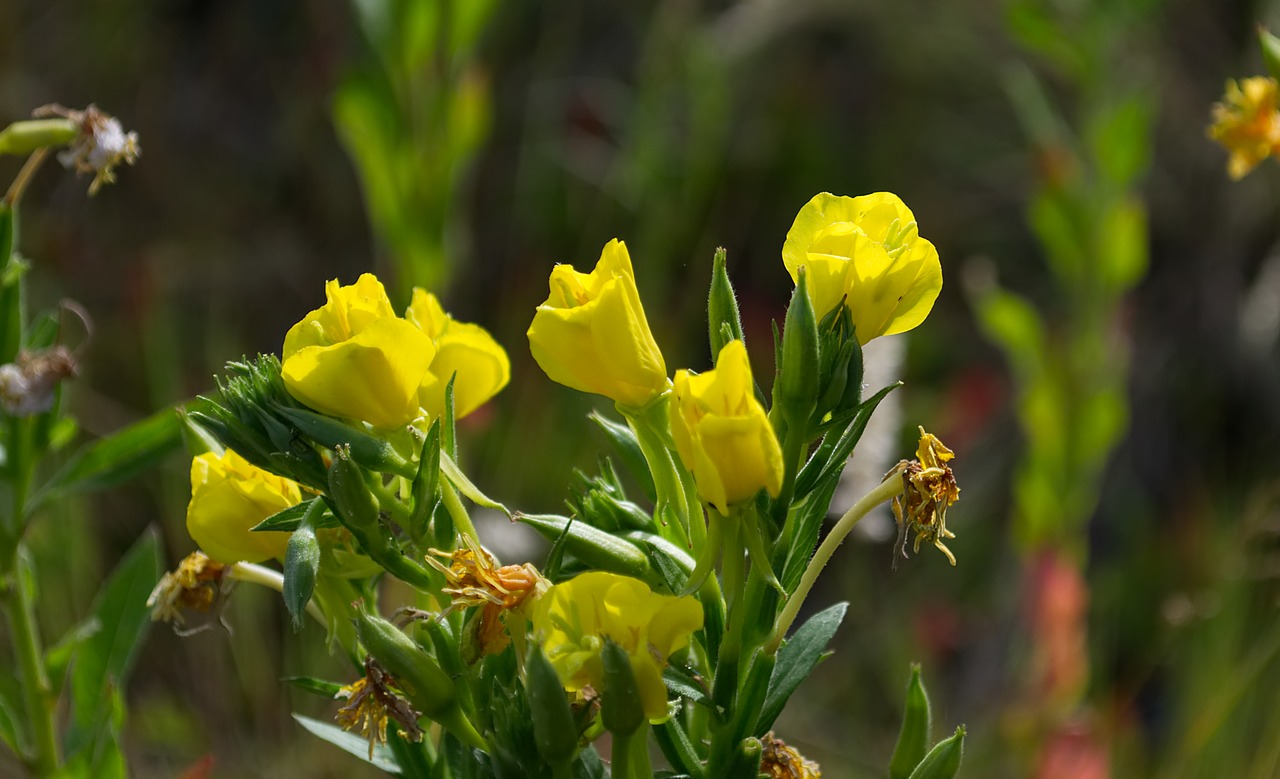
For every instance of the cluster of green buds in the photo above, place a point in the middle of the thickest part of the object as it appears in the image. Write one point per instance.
(660, 617)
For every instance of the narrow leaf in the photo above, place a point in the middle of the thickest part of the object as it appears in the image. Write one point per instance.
(111, 460)
(350, 743)
(797, 659)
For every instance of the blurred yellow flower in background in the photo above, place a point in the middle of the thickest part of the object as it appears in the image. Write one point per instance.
(464, 349)
(722, 432)
(1247, 123)
(354, 358)
(573, 618)
(591, 333)
(229, 496)
(867, 251)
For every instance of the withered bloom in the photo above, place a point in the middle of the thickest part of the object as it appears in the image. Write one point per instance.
(196, 584)
(475, 579)
(372, 701)
(780, 761)
(929, 487)
(27, 385)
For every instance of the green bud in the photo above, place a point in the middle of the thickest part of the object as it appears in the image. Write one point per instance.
(370, 451)
(591, 545)
(745, 760)
(426, 484)
(621, 707)
(943, 761)
(796, 393)
(27, 136)
(554, 729)
(913, 739)
(724, 323)
(1270, 46)
(302, 563)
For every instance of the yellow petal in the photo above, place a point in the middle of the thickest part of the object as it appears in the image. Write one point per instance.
(229, 496)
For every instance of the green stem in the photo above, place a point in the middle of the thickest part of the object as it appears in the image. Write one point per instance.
(650, 425)
(257, 574)
(457, 512)
(631, 755)
(388, 502)
(890, 488)
(24, 177)
(37, 692)
(34, 135)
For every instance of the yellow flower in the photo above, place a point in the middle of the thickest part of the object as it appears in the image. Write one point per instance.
(928, 489)
(591, 333)
(573, 618)
(354, 358)
(1247, 124)
(722, 432)
(464, 349)
(228, 497)
(867, 251)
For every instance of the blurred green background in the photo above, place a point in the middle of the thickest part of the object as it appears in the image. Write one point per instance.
(470, 144)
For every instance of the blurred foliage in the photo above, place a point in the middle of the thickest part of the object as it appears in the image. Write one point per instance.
(681, 124)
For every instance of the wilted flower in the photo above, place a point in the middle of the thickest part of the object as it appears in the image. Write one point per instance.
(195, 584)
(354, 358)
(465, 352)
(475, 579)
(722, 433)
(591, 333)
(929, 487)
(101, 146)
(573, 618)
(229, 496)
(1247, 123)
(866, 251)
(373, 700)
(779, 761)
(27, 385)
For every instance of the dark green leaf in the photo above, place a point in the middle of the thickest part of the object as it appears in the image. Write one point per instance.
(289, 519)
(324, 689)
(350, 743)
(11, 731)
(58, 657)
(796, 660)
(627, 446)
(686, 684)
(111, 460)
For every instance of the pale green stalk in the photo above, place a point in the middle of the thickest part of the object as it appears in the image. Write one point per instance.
(458, 512)
(257, 574)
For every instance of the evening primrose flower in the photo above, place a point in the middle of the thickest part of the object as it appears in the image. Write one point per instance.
(591, 333)
(464, 351)
(867, 252)
(929, 487)
(722, 433)
(1247, 123)
(354, 358)
(229, 496)
(474, 578)
(572, 620)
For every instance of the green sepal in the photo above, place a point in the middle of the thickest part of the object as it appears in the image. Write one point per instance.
(591, 545)
(367, 449)
(554, 729)
(621, 707)
(917, 723)
(943, 761)
(426, 484)
(302, 563)
(724, 323)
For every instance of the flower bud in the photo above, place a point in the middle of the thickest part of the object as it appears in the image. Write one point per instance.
(589, 544)
(621, 707)
(943, 761)
(724, 323)
(554, 730)
(368, 450)
(913, 739)
(799, 376)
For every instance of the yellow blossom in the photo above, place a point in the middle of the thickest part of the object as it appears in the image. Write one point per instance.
(464, 350)
(573, 619)
(1247, 123)
(866, 251)
(591, 333)
(354, 358)
(929, 487)
(722, 433)
(228, 497)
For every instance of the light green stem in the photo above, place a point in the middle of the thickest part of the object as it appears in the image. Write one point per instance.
(667, 481)
(37, 692)
(257, 574)
(34, 134)
(25, 174)
(631, 755)
(457, 512)
(388, 502)
(887, 490)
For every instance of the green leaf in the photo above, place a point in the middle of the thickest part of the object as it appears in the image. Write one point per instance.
(459, 479)
(58, 657)
(103, 662)
(1120, 139)
(685, 683)
(625, 443)
(10, 727)
(797, 659)
(111, 460)
(350, 743)
(1122, 245)
(325, 689)
(289, 519)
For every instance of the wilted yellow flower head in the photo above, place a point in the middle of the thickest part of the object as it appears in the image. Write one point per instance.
(575, 617)
(929, 487)
(354, 358)
(228, 497)
(866, 251)
(722, 433)
(462, 349)
(780, 761)
(372, 700)
(475, 579)
(195, 584)
(1247, 123)
(591, 333)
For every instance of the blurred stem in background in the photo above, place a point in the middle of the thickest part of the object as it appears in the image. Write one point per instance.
(413, 114)
(1088, 112)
